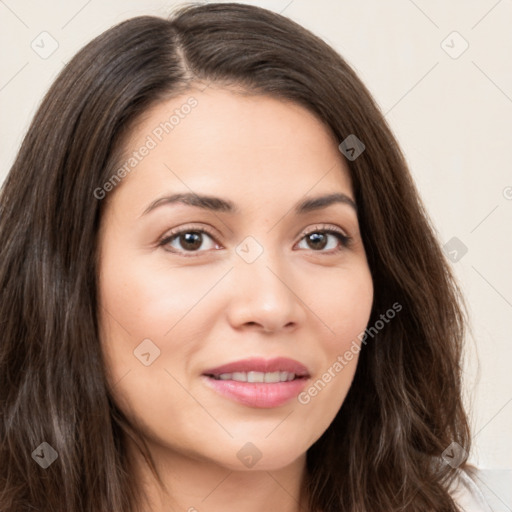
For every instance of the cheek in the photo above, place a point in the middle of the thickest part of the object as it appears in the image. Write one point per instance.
(143, 301)
(145, 298)
(343, 301)
(148, 298)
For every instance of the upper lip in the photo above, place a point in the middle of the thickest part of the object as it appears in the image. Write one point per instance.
(256, 364)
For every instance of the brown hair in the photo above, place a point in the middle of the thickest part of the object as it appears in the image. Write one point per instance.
(382, 451)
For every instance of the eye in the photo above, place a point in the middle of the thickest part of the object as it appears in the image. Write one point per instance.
(189, 240)
(331, 239)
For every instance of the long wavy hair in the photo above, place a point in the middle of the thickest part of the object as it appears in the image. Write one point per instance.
(404, 408)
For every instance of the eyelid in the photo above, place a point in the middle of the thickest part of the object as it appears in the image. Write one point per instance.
(322, 227)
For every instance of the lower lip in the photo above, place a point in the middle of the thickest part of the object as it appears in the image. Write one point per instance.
(257, 394)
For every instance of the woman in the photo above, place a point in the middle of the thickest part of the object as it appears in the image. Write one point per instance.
(220, 288)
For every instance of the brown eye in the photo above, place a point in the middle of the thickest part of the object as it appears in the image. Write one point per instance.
(188, 241)
(331, 239)
(317, 240)
(191, 240)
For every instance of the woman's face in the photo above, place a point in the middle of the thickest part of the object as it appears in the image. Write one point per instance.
(262, 270)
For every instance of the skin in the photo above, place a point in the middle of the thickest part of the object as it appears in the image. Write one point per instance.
(298, 299)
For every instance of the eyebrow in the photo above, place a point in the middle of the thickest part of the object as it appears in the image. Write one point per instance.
(218, 204)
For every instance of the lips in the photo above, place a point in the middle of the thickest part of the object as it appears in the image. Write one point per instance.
(257, 382)
(255, 364)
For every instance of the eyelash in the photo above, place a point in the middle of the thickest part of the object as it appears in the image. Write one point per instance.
(344, 240)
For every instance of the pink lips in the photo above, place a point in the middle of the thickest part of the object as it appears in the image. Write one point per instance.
(259, 394)
(255, 364)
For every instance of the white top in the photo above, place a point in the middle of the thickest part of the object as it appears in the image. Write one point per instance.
(469, 493)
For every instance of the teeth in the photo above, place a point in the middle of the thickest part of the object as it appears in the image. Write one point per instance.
(272, 377)
(257, 376)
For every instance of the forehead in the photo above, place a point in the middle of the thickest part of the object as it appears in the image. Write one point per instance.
(252, 148)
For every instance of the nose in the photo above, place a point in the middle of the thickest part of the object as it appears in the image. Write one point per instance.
(265, 297)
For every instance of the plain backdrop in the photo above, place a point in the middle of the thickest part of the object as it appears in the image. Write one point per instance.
(442, 75)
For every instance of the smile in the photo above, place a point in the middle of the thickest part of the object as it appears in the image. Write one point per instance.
(256, 376)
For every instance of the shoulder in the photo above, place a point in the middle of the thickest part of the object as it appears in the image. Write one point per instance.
(471, 491)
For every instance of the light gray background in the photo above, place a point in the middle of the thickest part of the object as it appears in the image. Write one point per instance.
(450, 111)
